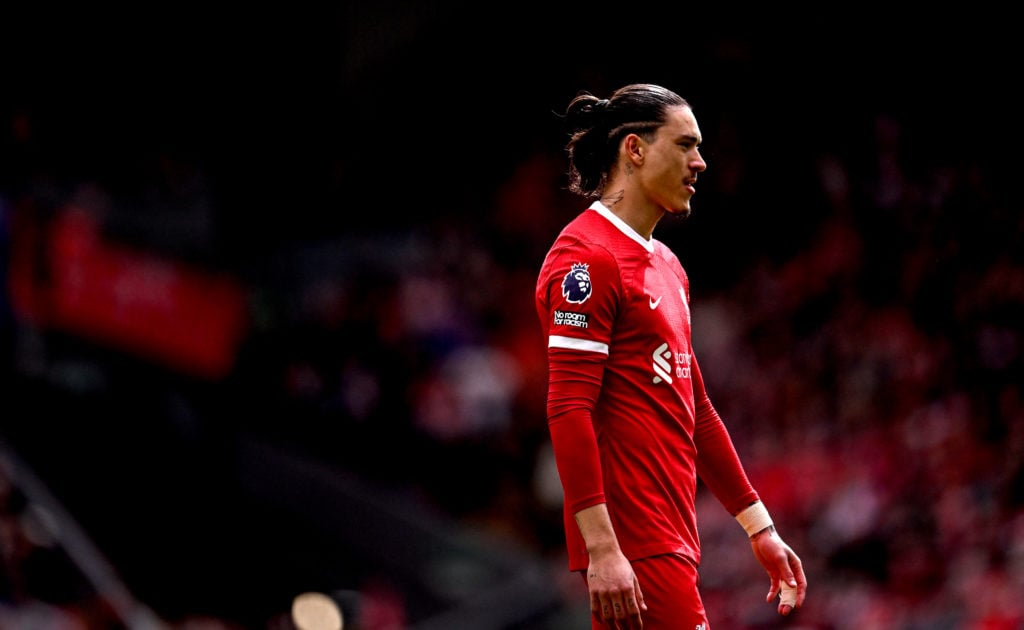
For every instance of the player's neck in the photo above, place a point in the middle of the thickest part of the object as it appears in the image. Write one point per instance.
(638, 214)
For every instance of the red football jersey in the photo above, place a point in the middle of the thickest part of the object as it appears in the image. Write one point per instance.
(614, 308)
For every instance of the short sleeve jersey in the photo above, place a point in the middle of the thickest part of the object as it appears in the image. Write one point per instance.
(605, 290)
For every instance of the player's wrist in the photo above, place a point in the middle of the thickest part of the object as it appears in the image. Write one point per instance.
(755, 519)
(767, 531)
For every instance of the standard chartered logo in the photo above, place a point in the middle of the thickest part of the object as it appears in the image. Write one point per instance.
(664, 358)
(661, 364)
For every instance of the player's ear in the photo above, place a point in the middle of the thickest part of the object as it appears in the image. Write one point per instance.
(634, 147)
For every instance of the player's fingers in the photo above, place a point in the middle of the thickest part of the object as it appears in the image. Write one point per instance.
(792, 586)
(607, 616)
(638, 596)
(631, 620)
(596, 607)
(788, 595)
(618, 609)
(633, 614)
(773, 588)
(799, 581)
(792, 591)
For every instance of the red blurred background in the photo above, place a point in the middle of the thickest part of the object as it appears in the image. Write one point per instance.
(269, 322)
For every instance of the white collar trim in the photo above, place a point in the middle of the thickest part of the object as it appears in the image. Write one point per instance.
(603, 210)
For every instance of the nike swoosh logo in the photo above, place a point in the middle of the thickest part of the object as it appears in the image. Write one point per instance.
(654, 303)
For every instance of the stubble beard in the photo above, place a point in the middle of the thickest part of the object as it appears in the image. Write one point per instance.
(682, 214)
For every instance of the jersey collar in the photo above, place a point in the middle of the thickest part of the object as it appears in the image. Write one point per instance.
(603, 210)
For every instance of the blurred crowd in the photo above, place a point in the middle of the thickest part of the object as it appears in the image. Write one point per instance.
(871, 371)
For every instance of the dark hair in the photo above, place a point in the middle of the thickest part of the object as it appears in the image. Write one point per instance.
(596, 125)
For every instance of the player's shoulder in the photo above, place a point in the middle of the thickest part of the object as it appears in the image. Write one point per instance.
(573, 248)
(579, 251)
(661, 250)
(583, 234)
(586, 222)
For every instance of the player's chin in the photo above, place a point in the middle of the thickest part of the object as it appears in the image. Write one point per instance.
(681, 210)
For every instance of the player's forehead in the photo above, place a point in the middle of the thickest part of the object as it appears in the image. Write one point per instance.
(680, 123)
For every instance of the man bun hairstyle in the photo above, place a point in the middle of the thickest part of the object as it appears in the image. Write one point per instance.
(596, 126)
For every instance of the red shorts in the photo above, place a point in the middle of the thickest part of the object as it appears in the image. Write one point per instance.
(669, 585)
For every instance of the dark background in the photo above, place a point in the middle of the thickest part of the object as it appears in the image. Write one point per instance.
(327, 106)
(331, 152)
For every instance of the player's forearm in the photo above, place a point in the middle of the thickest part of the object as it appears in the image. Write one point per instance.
(573, 389)
(596, 528)
(577, 459)
(719, 466)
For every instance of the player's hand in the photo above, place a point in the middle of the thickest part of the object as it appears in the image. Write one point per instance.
(615, 596)
(784, 568)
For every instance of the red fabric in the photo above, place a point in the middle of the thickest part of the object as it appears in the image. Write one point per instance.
(621, 401)
(670, 585)
(671, 589)
(70, 278)
(571, 396)
(718, 464)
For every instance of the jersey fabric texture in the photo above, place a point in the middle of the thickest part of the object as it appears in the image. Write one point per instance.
(630, 421)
